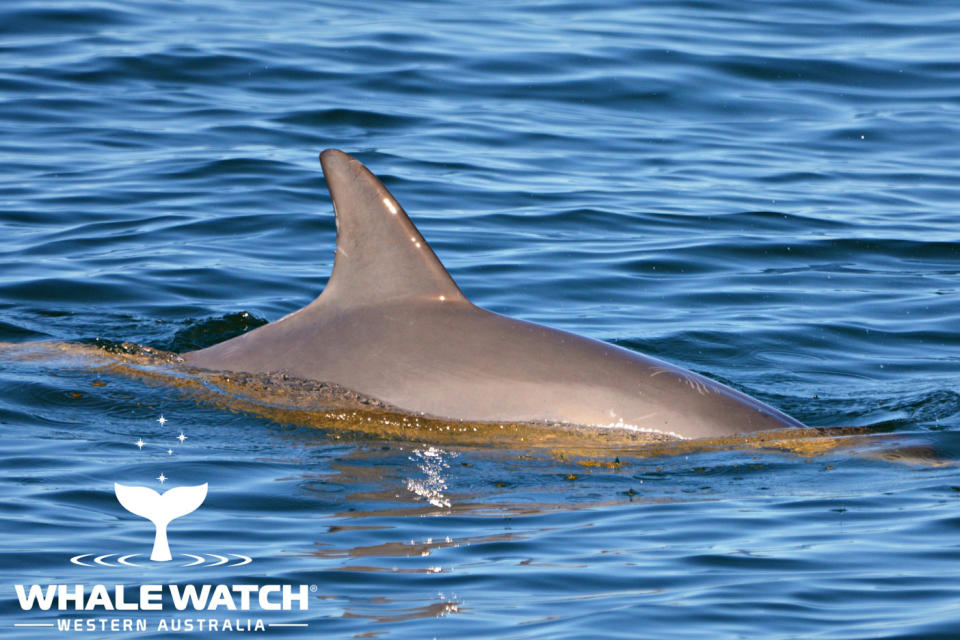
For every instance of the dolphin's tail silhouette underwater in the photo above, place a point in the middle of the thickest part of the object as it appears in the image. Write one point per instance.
(160, 509)
(393, 325)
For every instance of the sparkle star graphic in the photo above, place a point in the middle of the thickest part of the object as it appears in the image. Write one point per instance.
(139, 443)
(162, 420)
(162, 478)
(181, 437)
(169, 452)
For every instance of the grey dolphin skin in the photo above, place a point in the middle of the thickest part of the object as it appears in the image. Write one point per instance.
(392, 324)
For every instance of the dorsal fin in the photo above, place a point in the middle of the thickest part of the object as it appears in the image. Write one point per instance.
(380, 254)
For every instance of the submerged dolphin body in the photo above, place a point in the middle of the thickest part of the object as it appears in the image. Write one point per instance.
(392, 324)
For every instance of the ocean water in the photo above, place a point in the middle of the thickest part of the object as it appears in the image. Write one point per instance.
(765, 193)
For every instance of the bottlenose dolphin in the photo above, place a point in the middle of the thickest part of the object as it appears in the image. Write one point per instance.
(393, 325)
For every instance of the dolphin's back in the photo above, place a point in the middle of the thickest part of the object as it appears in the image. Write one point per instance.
(393, 325)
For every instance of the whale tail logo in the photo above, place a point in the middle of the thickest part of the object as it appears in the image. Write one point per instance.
(160, 509)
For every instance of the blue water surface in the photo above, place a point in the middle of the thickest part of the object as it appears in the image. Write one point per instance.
(765, 193)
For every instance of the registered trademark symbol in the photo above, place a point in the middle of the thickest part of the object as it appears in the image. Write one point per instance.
(313, 588)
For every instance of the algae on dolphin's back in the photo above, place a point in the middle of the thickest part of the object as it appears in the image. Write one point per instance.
(345, 414)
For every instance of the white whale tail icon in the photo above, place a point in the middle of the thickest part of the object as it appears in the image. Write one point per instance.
(160, 509)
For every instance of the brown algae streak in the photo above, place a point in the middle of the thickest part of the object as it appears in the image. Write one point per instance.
(344, 413)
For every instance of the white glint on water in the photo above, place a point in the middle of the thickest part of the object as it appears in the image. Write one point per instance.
(432, 464)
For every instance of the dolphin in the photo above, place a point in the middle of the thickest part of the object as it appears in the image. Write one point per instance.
(393, 325)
